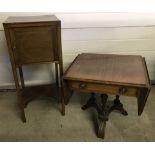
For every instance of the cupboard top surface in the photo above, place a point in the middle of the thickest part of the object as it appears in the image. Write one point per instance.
(31, 19)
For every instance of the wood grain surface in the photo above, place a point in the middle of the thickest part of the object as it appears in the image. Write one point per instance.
(108, 68)
(31, 19)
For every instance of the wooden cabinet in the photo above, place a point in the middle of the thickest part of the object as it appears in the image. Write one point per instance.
(34, 40)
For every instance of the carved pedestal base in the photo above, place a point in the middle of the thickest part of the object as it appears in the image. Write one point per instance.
(104, 110)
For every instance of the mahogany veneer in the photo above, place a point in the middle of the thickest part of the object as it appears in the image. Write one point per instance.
(118, 75)
(34, 40)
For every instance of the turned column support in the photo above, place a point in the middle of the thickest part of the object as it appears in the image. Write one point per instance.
(104, 110)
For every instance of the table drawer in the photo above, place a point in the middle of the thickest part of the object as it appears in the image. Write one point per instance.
(103, 88)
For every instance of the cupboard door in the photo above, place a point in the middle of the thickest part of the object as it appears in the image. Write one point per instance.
(34, 44)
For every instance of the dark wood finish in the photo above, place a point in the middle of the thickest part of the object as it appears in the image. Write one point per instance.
(118, 106)
(120, 75)
(21, 77)
(103, 88)
(31, 43)
(34, 40)
(142, 96)
(16, 20)
(57, 74)
(104, 110)
(112, 69)
(30, 93)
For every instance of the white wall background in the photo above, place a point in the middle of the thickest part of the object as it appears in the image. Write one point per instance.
(119, 33)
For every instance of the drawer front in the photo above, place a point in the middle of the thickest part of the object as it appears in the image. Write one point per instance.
(102, 88)
(34, 44)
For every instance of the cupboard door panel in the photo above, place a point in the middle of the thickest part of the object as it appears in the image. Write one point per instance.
(33, 44)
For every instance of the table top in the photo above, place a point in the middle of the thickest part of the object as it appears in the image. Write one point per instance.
(31, 19)
(109, 68)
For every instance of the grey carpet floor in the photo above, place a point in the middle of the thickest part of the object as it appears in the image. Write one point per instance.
(45, 123)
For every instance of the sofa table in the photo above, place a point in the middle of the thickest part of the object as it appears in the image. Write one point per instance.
(105, 74)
